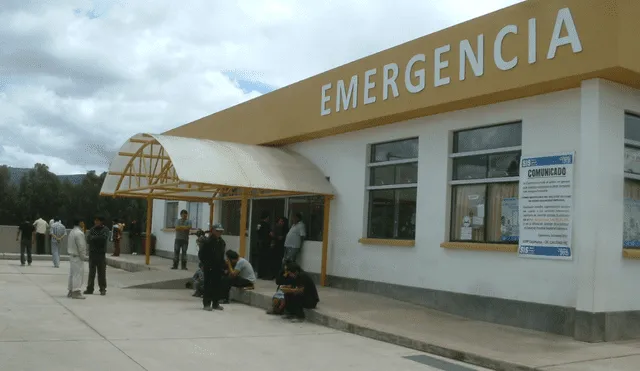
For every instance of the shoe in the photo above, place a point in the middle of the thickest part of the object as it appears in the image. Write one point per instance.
(195, 295)
(22, 265)
(29, 264)
(69, 294)
(103, 292)
(297, 320)
(174, 268)
(226, 301)
(218, 307)
(78, 295)
(208, 309)
(87, 292)
(135, 253)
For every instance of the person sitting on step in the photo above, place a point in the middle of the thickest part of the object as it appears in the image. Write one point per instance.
(240, 274)
(197, 282)
(301, 294)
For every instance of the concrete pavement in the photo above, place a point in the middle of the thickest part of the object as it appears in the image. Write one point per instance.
(412, 326)
(156, 330)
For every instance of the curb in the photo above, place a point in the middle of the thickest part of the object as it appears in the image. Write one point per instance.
(34, 257)
(262, 301)
(128, 266)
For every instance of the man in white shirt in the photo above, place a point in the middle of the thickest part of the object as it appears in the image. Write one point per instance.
(295, 238)
(41, 231)
(58, 232)
(240, 274)
(77, 249)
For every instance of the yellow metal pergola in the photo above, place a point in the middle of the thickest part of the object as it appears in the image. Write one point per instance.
(186, 169)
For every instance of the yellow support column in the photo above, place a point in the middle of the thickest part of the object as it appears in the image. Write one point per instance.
(211, 206)
(147, 244)
(243, 224)
(325, 240)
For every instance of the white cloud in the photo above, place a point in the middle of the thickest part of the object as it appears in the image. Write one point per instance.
(82, 76)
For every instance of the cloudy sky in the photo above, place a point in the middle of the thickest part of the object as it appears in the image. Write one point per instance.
(78, 77)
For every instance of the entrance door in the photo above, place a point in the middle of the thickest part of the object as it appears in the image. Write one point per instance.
(276, 208)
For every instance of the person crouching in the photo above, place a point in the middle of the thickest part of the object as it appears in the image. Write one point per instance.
(300, 294)
(240, 274)
(197, 282)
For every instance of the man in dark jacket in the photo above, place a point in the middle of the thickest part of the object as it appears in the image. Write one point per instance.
(211, 256)
(135, 237)
(265, 250)
(97, 238)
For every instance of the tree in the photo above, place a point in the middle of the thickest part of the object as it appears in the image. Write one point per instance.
(41, 192)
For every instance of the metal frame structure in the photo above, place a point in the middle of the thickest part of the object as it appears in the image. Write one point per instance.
(171, 168)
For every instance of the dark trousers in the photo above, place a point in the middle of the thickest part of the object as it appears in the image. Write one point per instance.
(265, 255)
(229, 282)
(135, 242)
(25, 247)
(294, 305)
(97, 263)
(276, 259)
(40, 250)
(212, 281)
(116, 247)
(180, 252)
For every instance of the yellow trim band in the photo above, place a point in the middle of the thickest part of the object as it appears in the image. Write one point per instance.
(384, 242)
(480, 246)
(631, 253)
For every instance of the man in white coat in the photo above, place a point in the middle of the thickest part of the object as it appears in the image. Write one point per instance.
(77, 249)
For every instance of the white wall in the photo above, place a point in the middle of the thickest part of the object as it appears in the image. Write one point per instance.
(551, 123)
(165, 238)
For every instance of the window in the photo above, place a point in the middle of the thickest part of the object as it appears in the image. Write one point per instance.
(170, 214)
(392, 189)
(312, 210)
(194, 209)
(631, 232)
(486, 169)
(230, 211)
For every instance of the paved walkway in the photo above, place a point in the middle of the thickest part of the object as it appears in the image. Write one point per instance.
(480, 343)
(484, 344)
(158, 330)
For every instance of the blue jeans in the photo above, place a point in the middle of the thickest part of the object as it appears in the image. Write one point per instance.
(55, 252)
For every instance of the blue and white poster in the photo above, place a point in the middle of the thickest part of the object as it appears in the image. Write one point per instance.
(631, 223)
(509, 222)
(546, 206)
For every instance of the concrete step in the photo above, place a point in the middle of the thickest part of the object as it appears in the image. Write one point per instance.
(34, 257)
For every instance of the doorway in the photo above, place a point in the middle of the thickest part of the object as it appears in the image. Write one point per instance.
(276, 209)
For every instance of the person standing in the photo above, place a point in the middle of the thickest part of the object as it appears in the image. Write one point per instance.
(41, 231)
(295, 238)
(279, 234)
(135, 237)
(58, 231)
(211, 255)
(181, 244)
(25, 234)
(265, 250)
(97, 238)
(77, 249)
(116, 234)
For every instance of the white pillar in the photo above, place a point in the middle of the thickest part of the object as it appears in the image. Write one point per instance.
(598, 213)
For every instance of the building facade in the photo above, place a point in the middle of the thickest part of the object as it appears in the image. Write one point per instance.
(424, 145)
